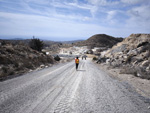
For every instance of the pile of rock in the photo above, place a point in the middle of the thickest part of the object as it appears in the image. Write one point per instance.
(16, 59)
(133, 53)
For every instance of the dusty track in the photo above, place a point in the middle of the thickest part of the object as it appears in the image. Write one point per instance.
(63, 89)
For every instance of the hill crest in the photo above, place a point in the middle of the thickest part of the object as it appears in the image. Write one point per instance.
(100, 40)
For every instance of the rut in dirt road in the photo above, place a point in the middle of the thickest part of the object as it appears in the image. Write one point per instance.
(61, 88)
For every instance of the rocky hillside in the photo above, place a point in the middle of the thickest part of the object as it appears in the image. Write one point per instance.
(133, 53)
(17, 59)
(100, 40)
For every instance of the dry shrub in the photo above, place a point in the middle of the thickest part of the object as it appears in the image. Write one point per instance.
(5, 60)
(16, 65)
(11, 73)
(94, 58)
(5, 70)
(28, 65)
(50, 59)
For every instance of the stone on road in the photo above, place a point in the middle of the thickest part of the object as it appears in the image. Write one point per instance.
(62, 89)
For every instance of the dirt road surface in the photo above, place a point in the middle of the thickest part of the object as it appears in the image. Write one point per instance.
(62, 89)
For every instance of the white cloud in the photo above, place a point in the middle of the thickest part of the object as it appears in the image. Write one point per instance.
(65, 18)
(140, 11)
(140, 17)
(81, 6)
(111, 17)
(29, 25)
(92, 8)
(86, 19)
(98, 2)
(132, 1)
(41, 2)
(41, 26)
(103, 2)
(60, 5)
(111, 14)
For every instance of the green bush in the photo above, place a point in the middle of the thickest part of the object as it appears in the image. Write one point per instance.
(57, 58)
(36, 44)
(94, 58)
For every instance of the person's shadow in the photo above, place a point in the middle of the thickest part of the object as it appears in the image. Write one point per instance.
(81, 70)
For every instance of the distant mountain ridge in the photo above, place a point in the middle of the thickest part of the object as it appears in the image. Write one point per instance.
(99, 40)
(70, 42)
(47, 42)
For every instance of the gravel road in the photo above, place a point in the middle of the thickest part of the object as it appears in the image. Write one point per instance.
(62, 89)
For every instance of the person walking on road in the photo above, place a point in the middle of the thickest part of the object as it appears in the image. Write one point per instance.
(77, 62)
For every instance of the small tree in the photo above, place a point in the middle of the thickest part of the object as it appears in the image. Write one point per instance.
(94, 58)
(36, 44)
(3, 42)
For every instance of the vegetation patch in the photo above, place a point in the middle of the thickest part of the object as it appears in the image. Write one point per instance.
(17, 59)
(95, 58)
(57, 58)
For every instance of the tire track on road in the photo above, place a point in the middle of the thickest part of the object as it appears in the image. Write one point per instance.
(57, 93)
(4, 95)
(12, 95)
(64, 105)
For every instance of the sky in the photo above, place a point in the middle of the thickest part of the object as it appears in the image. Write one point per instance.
(60, 20)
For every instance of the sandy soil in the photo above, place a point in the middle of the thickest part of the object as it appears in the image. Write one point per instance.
(142, 86)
